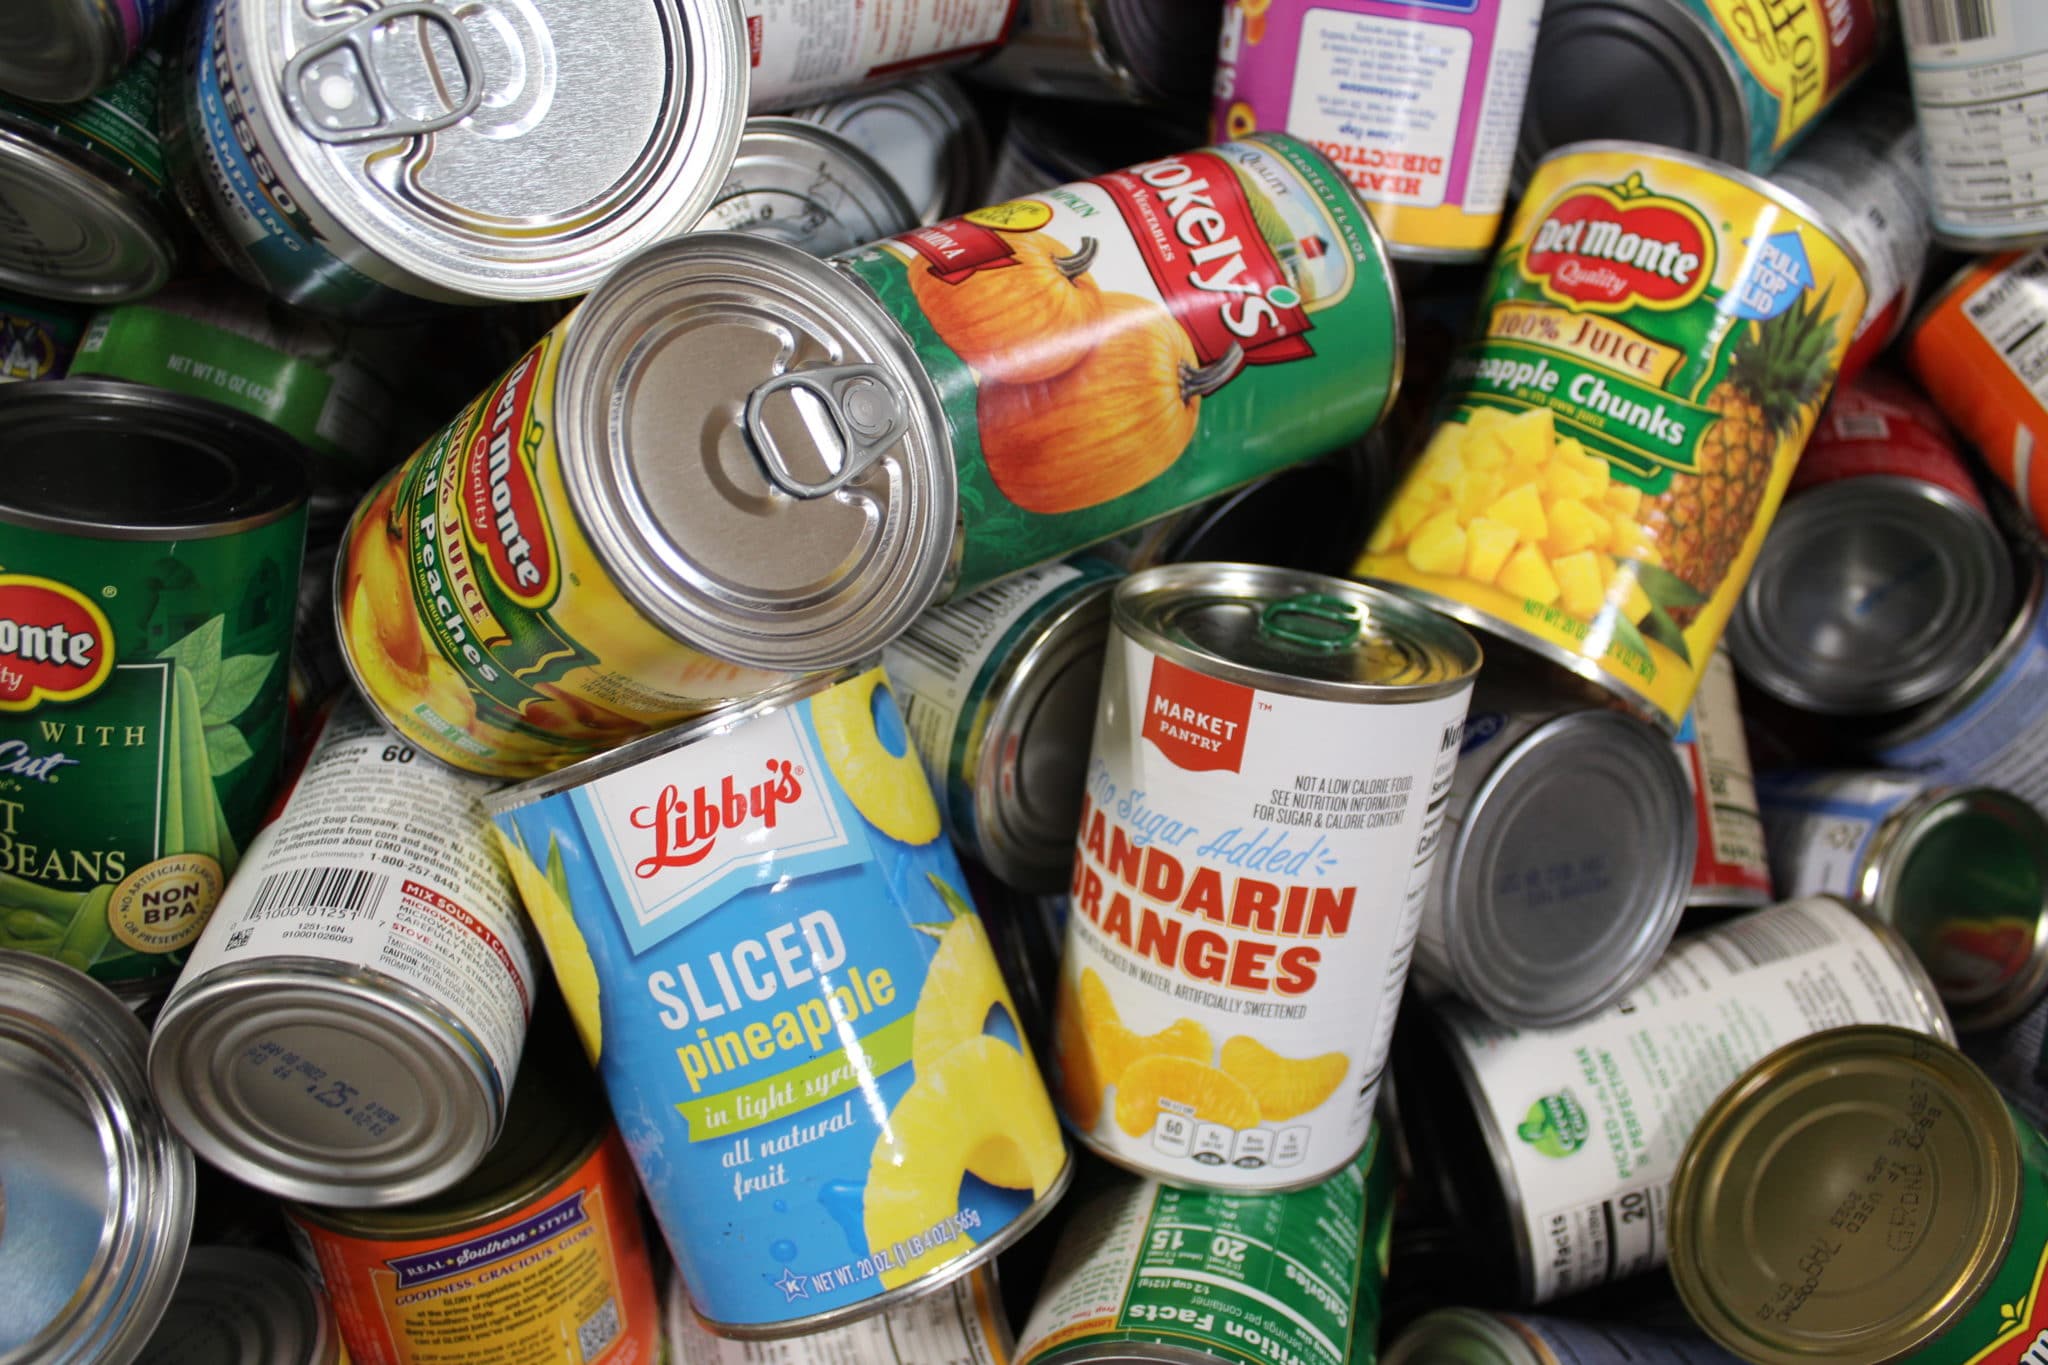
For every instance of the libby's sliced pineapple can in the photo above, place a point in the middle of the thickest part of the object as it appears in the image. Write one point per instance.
(1658, 337)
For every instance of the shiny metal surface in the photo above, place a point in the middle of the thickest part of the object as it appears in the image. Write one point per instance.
(797, 183)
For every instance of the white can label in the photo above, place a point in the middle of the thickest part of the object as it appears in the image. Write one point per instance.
(384, 860)
(802, 51)
(1820, 827)
(962, 1324)
(1251, 870)
(1595, 1116)
(1980, 80)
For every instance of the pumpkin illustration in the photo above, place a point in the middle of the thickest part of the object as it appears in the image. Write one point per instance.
(1022, 322)
(1108, 425)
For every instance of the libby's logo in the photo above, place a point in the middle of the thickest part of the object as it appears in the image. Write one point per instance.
(500, 502)
(1198, 722)
(55, 645)
(686, 828)
(1607, 248)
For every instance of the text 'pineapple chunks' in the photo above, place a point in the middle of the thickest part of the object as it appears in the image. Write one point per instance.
(1507, 501)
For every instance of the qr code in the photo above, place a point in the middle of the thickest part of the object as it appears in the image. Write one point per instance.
(599, 1330)
(238, 939)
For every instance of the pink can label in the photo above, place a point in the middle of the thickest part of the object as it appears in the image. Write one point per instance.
(1418, 102)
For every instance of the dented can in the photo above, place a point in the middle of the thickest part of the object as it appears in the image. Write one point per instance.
(1730, 866)
(1264, 801)
(801, 52)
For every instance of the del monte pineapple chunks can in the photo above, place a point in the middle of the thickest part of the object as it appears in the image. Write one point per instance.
(1658, 337)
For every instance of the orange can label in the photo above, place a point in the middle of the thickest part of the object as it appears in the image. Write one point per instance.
(563, 1277)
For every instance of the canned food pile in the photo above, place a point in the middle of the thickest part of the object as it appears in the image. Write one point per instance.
(974, 681)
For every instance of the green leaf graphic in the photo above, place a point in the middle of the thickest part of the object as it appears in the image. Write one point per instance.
(1665, 631)
(199, 655)
(226, 750)
(1666, 588)
(241, 678)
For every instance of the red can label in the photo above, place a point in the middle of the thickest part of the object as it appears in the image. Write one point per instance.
(1882, 425)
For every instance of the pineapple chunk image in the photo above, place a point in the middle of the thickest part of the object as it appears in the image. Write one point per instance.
(1529, 436)
(1527, 574)
(1573, 527)
(1485, 419)
(1624, 498)
(1582, 590)
(1487, 546)
(1522, 508)
(1474, 491)
(1438, 545)
(1441, 460)
(1484, 451)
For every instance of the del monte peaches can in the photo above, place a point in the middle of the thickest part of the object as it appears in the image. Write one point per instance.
(1655, 345)
(1272, 754)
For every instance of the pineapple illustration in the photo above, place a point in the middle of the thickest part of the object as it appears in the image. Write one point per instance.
(1779, 371)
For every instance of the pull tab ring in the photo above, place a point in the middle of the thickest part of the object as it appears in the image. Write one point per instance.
(868, 416)
(328, 120)
(1312, 620)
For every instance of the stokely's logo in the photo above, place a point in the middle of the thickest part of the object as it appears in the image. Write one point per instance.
(1198, 722)
(55, 645)
(1608, 248)
(686, 828)
(500, 502)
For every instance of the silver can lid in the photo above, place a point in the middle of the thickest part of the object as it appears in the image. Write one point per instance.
(753, 448)
(57, 51)
(924, 133)
(426, 1106)
(1299, 633)
(1461, 1336)
(73, 233)
(502, 149)
(802, 185)
(238, 1306)
(96, 1191)
(1570, 870)
(1871, 595)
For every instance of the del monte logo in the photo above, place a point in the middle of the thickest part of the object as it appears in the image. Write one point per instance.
(55, 644)
(1555, 1125)
(501, 504)
(1612, 247)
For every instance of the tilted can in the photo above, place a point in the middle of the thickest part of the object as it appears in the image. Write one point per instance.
(36, 340)
(800, 53)
(1864, 1194)
(85, 215)
(799, 184)
(766, 940)
(1974, 70)
(1146, 52)
(363, 162)
(99, 1188)
(1565, 857)
(925, 133)
(1264, 800)
(1110, 351)
(1418, 104)
(1612, 445)
(1735, 80)
(1884, 581)
(149, 562)
(537, 1248)
(998, 691)
(638, 522)
(1472, 1336)
(348, 1027)
(1730, 866)
(1148, 1272)
(62, 51)
(241, 1306)
(962, 1324)
(1960, 872)
(1556, 1147)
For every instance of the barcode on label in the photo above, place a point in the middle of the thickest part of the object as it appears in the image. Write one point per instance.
(599, 1330)
(1758, 942)
(949, 638)
(1861, 426)
(1934, 23)
(347, 889)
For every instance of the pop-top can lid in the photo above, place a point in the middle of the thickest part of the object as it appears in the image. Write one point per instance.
(1294, 632)
(925, 135)
(97, 457)
(501, 151)
(96, 1191)
(1869, 1125)
(752, 446)
(1654, 58)
(1602, 796)
(57, 51)
(241, 1306)
(1460, 1336)
(75, 234)
(1871, 595)
(807, 187)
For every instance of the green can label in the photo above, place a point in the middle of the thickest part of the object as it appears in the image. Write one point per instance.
(141, 723)
(2008, 1323)
(1111, 351)
(1277, 1279)
(118, 123)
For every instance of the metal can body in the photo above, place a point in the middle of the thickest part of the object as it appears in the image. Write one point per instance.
(962, 1324)
(1713, 77)
(1470, 1336)
(1960, 872)
(1122, 51)
(924, 133)
(1976, 80)
(312, 176)
(348, 1027)
(1417, 104)
(804, 52)
(767, 942)
(1583, 1126)
(1188, 1277)
(998, 690)
(62, 51)
(237, 1306)
(547, 577)
(152, 545)
(1263, 805)
(1730, 866)
(1898, 1185)
(1580, 494)
(810, 188)
(1094, 375)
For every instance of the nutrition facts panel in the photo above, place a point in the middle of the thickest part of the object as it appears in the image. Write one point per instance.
(1980, 79)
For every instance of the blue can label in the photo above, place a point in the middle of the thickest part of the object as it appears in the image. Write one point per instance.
(810, 1050)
